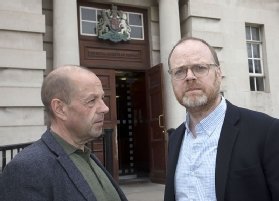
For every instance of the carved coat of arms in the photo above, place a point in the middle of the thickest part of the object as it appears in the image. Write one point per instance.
(113, 25)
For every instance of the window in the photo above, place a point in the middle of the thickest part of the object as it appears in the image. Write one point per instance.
(135, 21)
(89, 21)
(255, 60)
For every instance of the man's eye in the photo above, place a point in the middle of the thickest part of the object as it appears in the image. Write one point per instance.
(91, 101)
(199, 68)
(179, 72)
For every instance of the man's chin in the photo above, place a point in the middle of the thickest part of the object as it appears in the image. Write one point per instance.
(194, 101)
(96, 133)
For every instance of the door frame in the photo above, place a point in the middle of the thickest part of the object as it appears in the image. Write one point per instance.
(157, 133)
(107, 77)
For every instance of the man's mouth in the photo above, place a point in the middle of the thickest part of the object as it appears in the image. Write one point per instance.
(101, 121)
(193, 89)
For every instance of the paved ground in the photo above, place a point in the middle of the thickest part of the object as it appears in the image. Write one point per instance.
(143, 191)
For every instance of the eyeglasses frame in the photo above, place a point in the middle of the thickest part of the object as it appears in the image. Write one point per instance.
(170, 71)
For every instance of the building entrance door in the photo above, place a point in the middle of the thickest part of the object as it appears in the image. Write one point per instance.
(132, 125)
(157, 133)
(136, 109)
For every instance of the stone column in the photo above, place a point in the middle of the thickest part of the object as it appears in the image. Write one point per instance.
(169, 35)
(65, 33)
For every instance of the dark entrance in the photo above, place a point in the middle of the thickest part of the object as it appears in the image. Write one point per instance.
(132, 124)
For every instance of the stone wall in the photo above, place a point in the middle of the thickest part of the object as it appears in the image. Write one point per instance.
(22, 64)
(222, 24)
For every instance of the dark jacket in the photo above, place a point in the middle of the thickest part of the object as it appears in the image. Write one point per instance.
(44, 172)
(247, 161)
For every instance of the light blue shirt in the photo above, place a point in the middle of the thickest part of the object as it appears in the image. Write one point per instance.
(195, 171)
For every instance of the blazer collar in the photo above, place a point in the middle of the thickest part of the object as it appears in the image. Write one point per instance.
(67, 164)
(175, 139)
(226, 142)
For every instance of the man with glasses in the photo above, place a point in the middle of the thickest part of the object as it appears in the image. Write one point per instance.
(221, 151)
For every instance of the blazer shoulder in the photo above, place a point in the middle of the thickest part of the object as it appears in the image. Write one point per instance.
(36, 155)
(174, 133)
(235, 113)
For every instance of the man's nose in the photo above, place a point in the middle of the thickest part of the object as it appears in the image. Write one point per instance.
(104, 108)
(190, 75)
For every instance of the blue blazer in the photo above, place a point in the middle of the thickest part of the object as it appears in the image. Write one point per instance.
(247, 161)
(44, 172)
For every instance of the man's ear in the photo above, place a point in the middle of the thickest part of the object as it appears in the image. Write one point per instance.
(59, 108)
(219, 71)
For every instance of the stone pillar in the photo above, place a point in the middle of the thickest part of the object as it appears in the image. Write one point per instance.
(65, 33)
(169, 35)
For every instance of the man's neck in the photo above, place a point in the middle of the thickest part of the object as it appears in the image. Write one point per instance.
(199, 113)
(67, 137)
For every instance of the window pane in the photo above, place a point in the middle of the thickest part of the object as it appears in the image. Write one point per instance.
(136, 32)
(249, 50)
(255, 33)
(248, 35)
(256, 51)
(135, 19)
(88, 14)
(250, 63)
(88, 28)
(252, 84)
(260, 84)
(257, 65)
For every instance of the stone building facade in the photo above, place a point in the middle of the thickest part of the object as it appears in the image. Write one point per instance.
(37, 36)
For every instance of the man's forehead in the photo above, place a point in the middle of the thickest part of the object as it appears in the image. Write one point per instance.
(98, 89)
(91, 92)
(192, 46)
(88, 82)
(191, 49)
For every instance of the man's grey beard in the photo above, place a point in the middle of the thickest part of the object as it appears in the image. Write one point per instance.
(194, 102)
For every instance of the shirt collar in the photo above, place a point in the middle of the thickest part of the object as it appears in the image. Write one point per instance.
(211, 121)
(68, 148)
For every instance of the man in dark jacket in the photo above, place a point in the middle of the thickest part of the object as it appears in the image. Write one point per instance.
(59, 167)
(221, 152)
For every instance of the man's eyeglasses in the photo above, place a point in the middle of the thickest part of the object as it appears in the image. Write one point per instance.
(199, 70)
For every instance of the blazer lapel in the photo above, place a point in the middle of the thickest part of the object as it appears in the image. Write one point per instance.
(76, 177)
(174, 149)
(72, 171)
(226, 142)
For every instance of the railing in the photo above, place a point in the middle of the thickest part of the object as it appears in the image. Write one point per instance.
(12, 150)
(9, 151)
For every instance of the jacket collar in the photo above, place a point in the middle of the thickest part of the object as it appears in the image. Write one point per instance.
(226, 143)
(176, 139)
(68, 166)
